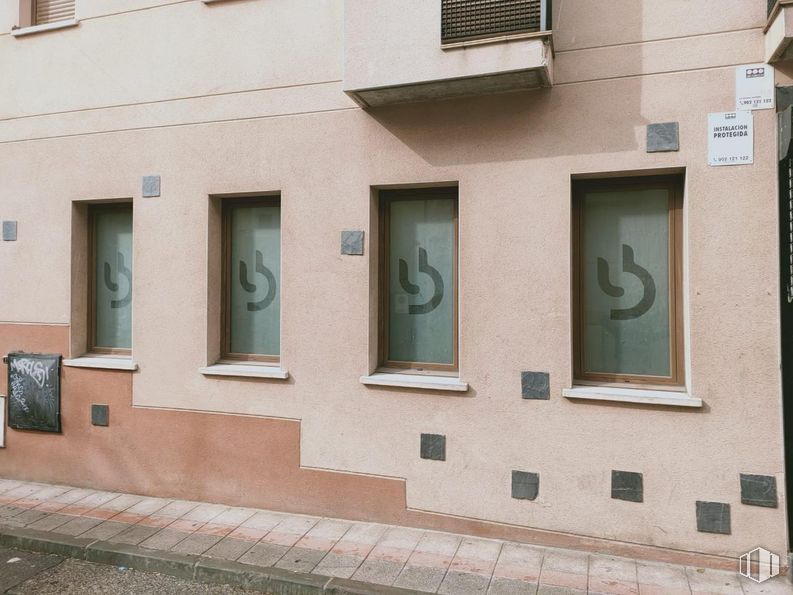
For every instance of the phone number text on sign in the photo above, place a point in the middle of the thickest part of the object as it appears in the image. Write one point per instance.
(731, 138)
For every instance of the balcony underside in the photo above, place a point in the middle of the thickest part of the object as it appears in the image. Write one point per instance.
(516, 80)
(779, 32)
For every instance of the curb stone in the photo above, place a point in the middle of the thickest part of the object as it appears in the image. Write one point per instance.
(188, 566)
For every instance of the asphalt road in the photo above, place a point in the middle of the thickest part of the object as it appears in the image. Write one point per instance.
(26, 573)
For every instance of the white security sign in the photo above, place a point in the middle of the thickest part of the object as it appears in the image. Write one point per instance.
(730, 138)
(754, 87)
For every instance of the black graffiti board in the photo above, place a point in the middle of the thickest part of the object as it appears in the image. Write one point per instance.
(34, 391)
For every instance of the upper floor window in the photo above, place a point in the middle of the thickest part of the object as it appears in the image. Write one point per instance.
(251, 311)
(44, 12)
(52, 11)
(110, 279)
(418, 271)
(627, 281)
(474, 19)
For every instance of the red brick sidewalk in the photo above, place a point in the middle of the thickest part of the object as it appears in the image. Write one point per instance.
(428, 561)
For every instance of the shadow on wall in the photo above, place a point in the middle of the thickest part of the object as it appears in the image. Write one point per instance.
(567, 120)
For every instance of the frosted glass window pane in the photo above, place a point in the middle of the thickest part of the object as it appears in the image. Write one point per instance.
(113, 278)
(421, 281)
(255, 271)
(626, 282)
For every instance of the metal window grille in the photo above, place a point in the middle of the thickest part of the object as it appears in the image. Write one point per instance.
(470, 19)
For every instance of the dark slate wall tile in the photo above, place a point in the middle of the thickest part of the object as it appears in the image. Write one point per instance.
(99, 415)
(535, 385)
(627, 485)
(525, 485)
(151, 186)
(663, 137)
(9, 231)
(713, 517)
(352, 243)
(433, 447)
(759, 490)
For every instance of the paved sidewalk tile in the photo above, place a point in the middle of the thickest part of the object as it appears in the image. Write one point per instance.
(264, 520)
(661, 579)
(234, 516)
(388, 556)
(309, 551)
(615, 576)
(229, 548)
(351, 550)
(427, 565)
(29, 517)
(20, 492)
(196, 543)
(105, 530)
(122, 502)
(8, 484)
(264, 554)
(42, 495)
(563, 569)
(519, 562)
(289, 531)
(471, 567)
(134, 535)
(509, 586)
(76, 526)
(164, 539)
(63, 500)
(298, 559)
(476, 556)
(155, 521)
(204, 512)
(215, 530)
(427, 561)
(775, 586)
(177, 508)
(704, 581)
(51, 522)
(147, 506)
(469, 583)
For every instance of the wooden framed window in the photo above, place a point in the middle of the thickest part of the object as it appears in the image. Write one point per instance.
(110, 279)
(418, 279)
(51, 11)
(627, 270)
(251, 273)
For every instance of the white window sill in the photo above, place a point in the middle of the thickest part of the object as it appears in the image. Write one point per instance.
(415, 381)
(245, 371)
(104, 363)
(632, 395)
(42, 28)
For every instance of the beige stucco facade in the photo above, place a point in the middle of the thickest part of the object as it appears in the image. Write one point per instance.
(248, 96)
